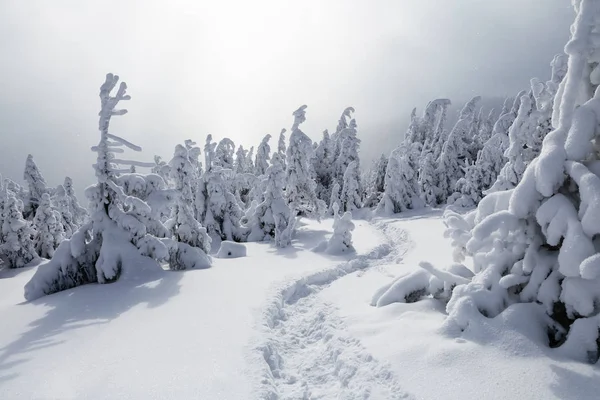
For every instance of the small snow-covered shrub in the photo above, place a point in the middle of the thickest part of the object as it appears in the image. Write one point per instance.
(231, 250)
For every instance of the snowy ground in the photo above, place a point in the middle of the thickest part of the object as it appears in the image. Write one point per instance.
(278, 324)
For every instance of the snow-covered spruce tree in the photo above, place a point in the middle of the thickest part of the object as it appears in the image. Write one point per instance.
(192, 242)
(115, 239)
(300, 188)
(455, 151)
(273, 219)
(224, 154)
(240, 165)
(440, 134)
(37, 187)
(79, 213)
(351, 195)
(17, 248)
(400, 178)
(324, 164)
(536, 243)
(194, 153)
(427, 180)
(341, 239)
(49, 231)
(376, 182)
(218, 208)
(209, 152)
(281, 147)
(348, 150)
(161, 168)
(250, 160)
(263, 155)
(61, 202)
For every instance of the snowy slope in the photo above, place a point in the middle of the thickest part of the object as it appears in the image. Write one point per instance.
(169, 335)
(494, 361)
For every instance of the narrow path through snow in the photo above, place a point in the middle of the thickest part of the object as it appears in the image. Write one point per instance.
(307, 349)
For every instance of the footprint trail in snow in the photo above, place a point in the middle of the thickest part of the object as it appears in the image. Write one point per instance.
(308, 350)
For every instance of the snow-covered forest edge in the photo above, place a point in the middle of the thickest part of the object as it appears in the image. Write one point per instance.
(519, 189)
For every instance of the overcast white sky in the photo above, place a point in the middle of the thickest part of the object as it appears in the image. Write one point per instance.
(239, 68)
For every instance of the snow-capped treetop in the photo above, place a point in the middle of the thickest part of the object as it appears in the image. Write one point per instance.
(224, 154)
(343, 121)
(35, 180)
(281, 143)
(209, 152)
(262, 156)
(240, 160)
(299, 117)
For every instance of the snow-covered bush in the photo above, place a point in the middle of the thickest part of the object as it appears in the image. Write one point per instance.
(272, 218)
(117, 237)
(49, 229)
(17, 248)
(340, 241)
(231, 250)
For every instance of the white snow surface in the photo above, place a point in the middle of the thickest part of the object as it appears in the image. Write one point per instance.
(157, 335)
(278, 324)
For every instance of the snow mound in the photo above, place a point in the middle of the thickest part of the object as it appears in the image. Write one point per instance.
(231, 249)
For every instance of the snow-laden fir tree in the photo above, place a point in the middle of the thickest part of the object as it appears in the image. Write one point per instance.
(194, 153)
(37, 187)
(428, 179)
(116, 239)
(281, 147)
(218, 208)
(17, 247)
(272, 219)
(348, 150)
(49, 231)
(209, 152)
(455, 151)
(224, 154)
(192, 242)
(263, 155)
(79, 213)
(342, 124)
(240, 164)
(250, 160)
(351, 195)
(376, 182)
(324, 167)
(62, 204)
(300, 188)
(536, 243)
(400, 178)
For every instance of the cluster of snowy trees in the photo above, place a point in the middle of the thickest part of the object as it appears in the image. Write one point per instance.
(35, 219)
(533, 240)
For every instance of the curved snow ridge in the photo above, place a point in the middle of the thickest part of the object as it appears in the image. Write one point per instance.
(307, 353)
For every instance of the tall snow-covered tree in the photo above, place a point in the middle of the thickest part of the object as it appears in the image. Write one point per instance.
(79, 213)
(240, 164)
(37, 187)
(427, 180)
(400, 177)
(17, 248)
(324, 167)
(281, 147)
(49, 229)
(351, 196)
(348, 145)
(273, 219)
(192, 241)
(455, 151)
(224, 154)
(262, 156)
(536, 243)
(209, 152)
(116, 239)
(300, 188)
(61, 202)
(376, 182)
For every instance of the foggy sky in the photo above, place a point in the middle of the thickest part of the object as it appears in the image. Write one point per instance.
(238, 69)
